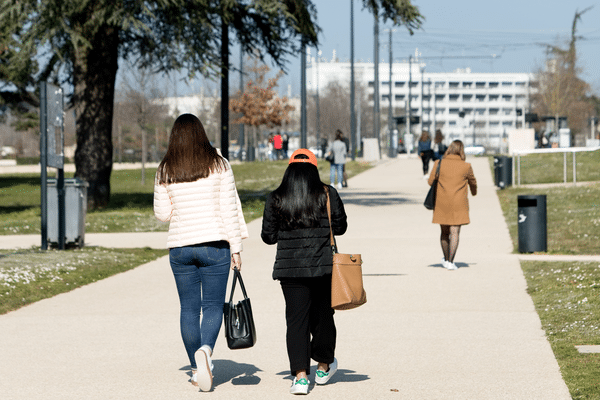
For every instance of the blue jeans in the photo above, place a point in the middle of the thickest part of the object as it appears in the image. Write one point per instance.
(340, 173)
(201, 273)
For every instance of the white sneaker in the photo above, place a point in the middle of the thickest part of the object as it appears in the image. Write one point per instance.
(300, 386)
(451, 266)
(203, 376)
(322, 377)
(338, 186)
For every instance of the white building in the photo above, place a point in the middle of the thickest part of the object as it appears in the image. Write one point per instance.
(478, 108)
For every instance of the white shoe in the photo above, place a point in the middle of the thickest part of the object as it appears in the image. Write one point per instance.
(338, 186)
(203, 376)
(322, 377)
(450, 266)
(300, 386)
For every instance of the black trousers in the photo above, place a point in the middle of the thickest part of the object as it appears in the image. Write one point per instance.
(311, 329)
(426, 156)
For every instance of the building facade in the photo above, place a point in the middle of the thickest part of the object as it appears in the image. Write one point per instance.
(478, 108)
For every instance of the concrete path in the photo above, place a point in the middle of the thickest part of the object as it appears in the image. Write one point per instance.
(425, 333)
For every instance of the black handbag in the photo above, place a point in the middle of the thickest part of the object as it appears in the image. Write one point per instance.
(239, 323)
(429, 202)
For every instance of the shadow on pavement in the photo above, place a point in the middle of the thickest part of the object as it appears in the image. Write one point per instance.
(375, 199)
(342, 375)
(238, 373)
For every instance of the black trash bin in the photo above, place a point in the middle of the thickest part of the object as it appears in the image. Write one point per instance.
(532, 223)
(502, 171)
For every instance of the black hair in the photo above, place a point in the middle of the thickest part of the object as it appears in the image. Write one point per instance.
(300, 199)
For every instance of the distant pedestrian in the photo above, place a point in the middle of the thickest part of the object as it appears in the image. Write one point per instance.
(348, 153)
(425, 151)
(303, 265)
(338, 150)
(452, 204)
(278, 146)
(285, 145)
(195, 190)
(439, 148)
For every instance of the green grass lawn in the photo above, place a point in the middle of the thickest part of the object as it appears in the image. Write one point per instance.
(30, 275)
(566, 297)
(549, 167)
(573, 217)
(130, 206)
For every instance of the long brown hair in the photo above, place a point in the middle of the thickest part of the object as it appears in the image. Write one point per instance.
(456, 147)
(424, 136)
(190, 156)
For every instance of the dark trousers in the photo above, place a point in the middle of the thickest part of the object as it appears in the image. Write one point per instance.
(308, 313)
(426, 156)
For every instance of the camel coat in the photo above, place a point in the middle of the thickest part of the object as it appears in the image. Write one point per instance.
(452, 203)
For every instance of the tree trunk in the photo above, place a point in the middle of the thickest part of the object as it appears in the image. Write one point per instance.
(94, 78)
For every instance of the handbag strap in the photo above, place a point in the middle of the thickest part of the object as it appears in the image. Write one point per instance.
(437, 172)
(331, 237)
(237, 275)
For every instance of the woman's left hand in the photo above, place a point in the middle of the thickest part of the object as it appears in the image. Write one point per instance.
(236, 261)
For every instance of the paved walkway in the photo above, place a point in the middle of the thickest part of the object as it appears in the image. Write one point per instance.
(425, 333)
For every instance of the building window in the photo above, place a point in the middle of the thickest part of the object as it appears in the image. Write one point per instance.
(453, 97)
(479, 85)
(426, 97)
(494, 123)
(453, 84)
(399, 97)
(439, 111)
(371, 83)
(414, 84)
(385, 97)
(494, 111)
(479, 124)
(440, 84)
(385, 83)
(507, 123)
(468, 111)
(520, 97)
(467, 97)
(399, 84)
(440, 97)
(480, 97)
(467, 84)
(507, 111)
(494, 97)
(493, 85)
(452, 123)
(480, 111)
(453, 111)
(506, 97)
(521, 84)
(426, 110)
(506, 84)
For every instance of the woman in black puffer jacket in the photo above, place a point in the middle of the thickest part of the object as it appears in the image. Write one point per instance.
(295, 218)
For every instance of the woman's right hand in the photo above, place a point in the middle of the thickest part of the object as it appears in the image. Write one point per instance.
(236, 261)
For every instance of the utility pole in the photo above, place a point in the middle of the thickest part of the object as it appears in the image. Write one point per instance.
(392, 139)
(352, 116)
(409, 101)
(303, 140)
(224, 89)
(318, 133)
(242, 139)
(376, 129)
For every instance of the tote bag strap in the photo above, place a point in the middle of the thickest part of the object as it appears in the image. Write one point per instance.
(437, 172)
(332, 238)
(237, 276)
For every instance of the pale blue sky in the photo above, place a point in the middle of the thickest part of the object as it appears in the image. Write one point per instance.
(513, 30)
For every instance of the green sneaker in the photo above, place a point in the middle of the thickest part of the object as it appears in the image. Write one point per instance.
(299, 386)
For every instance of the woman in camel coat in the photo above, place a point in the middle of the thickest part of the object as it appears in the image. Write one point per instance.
(452, 203)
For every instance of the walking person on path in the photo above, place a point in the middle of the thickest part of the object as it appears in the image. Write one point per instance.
(338, 150)
(295, 218)
(425, 151)
(439, 148)
(195, 190)
(452, 204)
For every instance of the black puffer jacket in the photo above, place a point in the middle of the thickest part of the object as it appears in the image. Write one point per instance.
(306, 252)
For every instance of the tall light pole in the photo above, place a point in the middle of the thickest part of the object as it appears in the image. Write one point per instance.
(408, 102)
(303, 96)
(376, 128)
(242, 139)
(225, 89)
(318, 133)
(352, 116)
(393, 140)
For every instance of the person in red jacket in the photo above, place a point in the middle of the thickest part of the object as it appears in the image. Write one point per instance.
(278, 146)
